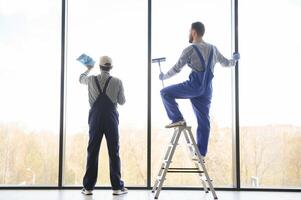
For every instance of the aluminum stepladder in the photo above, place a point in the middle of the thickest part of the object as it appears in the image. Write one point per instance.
(195, 155)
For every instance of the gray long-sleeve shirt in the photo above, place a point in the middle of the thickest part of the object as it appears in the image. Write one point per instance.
(190, 57)
(114, 91)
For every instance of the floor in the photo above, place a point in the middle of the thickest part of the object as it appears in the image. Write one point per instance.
(144, 195)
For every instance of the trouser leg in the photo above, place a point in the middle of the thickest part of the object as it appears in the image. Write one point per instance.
(201, 107)
(95, 137)
(112, 137)
(169, 96)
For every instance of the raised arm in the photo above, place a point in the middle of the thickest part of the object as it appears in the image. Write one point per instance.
(179, 65)
(224, 61)
(83, 78)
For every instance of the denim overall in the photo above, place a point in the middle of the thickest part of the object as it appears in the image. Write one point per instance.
(199, 90)
(103, 120)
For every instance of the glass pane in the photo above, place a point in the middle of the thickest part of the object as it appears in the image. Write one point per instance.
(30, 88)
(269, 93)
(118, 29)
(169, 38)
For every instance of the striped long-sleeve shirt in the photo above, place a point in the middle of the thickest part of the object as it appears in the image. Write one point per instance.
(114, 91)
(190, 57)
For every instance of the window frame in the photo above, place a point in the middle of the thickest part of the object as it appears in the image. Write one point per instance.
(235, 107)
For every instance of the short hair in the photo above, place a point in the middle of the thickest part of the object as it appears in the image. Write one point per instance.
(199, 28)
(105, 68)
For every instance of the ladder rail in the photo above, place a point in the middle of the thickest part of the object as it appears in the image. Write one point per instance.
(157, 193)
(199, 164)
(201, 161)
(163, 165)
(192, 152)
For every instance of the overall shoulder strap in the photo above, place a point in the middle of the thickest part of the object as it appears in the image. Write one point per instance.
(106, 84)
(202, 58)
(97, 84)
(200, 55)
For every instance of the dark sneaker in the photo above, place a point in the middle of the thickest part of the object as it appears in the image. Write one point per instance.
(120, 192)
(87, 192)
(176, 124)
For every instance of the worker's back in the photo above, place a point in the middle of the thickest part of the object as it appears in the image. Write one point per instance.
(114, 90)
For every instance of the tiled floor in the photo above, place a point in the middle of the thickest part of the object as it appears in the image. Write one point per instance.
(144, 195)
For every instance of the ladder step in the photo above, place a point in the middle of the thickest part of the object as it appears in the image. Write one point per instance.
(184, 170)
(198, 162)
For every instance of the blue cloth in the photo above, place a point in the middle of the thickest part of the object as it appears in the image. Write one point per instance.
(199, 90)
(103, 120)
(86, 60)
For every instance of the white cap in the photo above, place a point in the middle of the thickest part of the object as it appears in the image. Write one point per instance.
(105, 61)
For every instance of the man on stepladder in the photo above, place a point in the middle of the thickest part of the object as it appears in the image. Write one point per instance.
(201, 57)
(105, 92)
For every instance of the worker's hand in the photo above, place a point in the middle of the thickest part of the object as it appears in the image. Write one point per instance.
(161, 76)
(236, 56)
(89, 67)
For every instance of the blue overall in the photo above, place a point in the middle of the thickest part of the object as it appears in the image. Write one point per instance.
(103, 120)
(199, 90)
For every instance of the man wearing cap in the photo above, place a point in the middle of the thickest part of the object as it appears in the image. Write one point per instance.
(201, 57)
(105, 92)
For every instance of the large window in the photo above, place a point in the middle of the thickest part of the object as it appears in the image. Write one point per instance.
(270, 93)
(30, 88)
(169, 38)
(118, 29)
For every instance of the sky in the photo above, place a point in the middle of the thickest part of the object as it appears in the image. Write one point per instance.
(30, 71)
